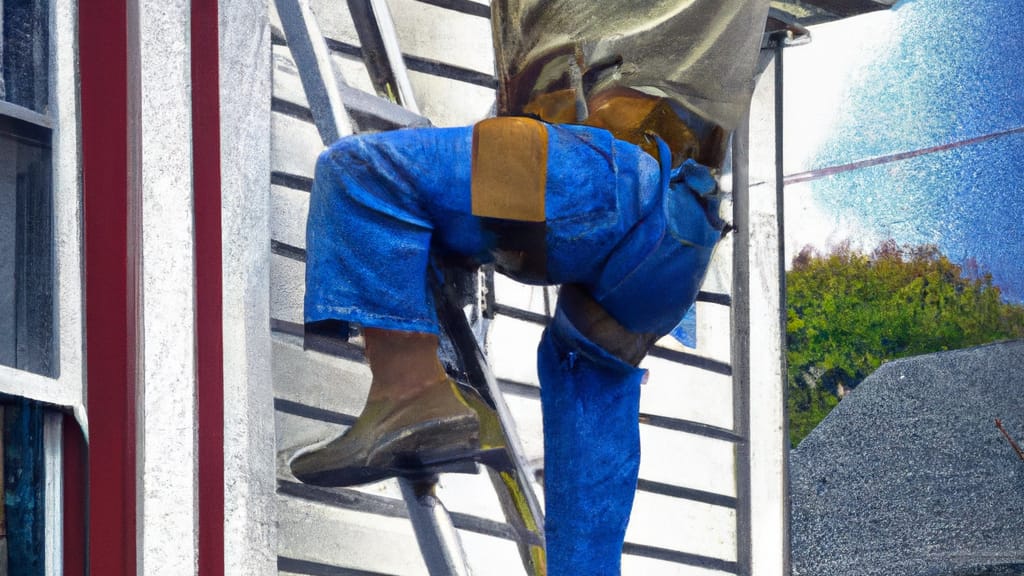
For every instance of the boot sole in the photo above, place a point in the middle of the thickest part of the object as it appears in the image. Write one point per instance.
(414, 466)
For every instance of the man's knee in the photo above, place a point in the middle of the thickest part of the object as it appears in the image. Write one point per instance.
(342, 156)
(600, 327)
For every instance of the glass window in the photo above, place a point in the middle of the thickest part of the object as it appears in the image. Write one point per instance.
(26, 196)
(29, 468)
(26, 248)
(22, 475)
(24, 53)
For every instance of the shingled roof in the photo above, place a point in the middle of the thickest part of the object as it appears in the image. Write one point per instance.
(909, 475)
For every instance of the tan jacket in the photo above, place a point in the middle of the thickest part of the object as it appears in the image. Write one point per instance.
(698, 54)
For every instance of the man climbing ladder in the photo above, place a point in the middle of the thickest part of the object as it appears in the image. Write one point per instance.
(599, 175)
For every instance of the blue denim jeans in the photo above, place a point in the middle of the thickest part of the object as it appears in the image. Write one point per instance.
(632, 232)
(635, 233)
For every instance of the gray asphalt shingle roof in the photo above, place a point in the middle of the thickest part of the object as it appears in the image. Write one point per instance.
(909, 475)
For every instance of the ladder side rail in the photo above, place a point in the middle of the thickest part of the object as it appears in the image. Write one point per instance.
(474, 362)
(313, 61)
(439, 542)
(386, 28)
(740, 323)
(438, 539)
(381, 53)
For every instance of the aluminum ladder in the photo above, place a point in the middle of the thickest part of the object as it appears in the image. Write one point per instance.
(333, 104)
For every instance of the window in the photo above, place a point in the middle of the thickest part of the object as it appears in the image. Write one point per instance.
(38, 205)
(26, 196)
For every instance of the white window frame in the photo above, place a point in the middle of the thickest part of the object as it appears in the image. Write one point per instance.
(67, 388)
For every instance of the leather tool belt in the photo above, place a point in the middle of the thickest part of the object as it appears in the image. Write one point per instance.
(634, 116)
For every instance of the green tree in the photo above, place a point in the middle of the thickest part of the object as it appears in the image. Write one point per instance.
(848, 312)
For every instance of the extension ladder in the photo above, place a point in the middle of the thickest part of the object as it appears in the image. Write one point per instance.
(330, 103)
(718, 404)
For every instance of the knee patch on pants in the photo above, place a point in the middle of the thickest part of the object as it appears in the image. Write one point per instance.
(509, 169)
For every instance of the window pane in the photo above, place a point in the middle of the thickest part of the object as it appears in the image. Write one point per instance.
(24, 53)
(22, 513)
(26, 248)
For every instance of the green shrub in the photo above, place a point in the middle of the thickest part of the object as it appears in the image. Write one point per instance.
(848, 312)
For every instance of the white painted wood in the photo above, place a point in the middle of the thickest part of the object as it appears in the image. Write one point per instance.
(68, 204)
(512, 349)
(529, 423)
(489, 555)
(295, 145)
(687, 460)
(289, 209)
(768, 440)
(160, 73)
(335, 21)
(53, 493)
(317, 379)
(451, 102)
(719, 276)
(340, 537)
(287, 289)
(250, 521)
(508, 292)
(712, 334)
(683, 526)
(471, 494)
(287, 85)
(444, 35)
(353, 72)
(713, 339)
(686, 392)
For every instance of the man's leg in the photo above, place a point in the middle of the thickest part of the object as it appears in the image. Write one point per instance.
(590, 386)
(404, 364)
(414, 419)
(379, 205)
(591, 402)
(606, 229)
(369, 236)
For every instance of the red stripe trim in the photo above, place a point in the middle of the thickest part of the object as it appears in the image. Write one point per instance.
(209, 283)
(74, 498)
(110, 287)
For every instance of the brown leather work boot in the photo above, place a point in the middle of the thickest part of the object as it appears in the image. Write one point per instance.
(434, 431)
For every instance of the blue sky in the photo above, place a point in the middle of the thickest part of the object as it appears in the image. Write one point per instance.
(927, 74)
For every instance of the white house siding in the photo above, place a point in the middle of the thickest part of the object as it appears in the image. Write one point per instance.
(685, 516)
(168, 514)
(245, 86)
